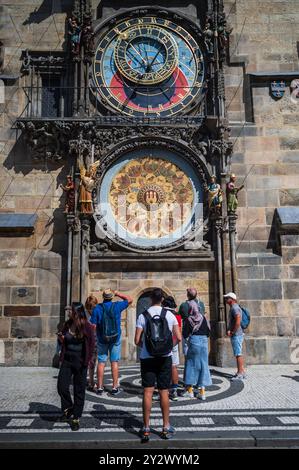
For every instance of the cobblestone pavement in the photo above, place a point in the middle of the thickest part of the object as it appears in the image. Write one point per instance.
(266, 402)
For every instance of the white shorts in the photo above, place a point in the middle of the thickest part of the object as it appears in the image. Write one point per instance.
(175, 356)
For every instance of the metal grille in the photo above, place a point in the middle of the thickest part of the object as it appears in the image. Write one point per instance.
(50, 97)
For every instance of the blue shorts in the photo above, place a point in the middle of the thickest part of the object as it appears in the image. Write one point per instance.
(113, 350)
(237, 343)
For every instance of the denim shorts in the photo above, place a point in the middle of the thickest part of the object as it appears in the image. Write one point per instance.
(237, 343)
(113, 350)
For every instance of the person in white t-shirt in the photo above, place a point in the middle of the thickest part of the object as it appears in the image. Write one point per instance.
(156, 369)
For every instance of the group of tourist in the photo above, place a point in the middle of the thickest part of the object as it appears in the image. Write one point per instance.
(93, 333)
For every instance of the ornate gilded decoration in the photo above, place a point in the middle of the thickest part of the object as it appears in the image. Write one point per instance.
(158, 190)
(151, 196)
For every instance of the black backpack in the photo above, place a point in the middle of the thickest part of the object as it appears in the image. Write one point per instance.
(158, 337)
(109, 325)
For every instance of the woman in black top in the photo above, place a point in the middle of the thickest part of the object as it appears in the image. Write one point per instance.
(77, 339)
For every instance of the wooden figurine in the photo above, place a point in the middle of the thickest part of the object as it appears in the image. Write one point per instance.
(215, 196)
(69, 188)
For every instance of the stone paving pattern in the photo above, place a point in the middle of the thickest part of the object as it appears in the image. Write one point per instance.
(267, 401)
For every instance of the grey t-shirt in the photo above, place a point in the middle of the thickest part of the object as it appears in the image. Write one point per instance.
(235, 310)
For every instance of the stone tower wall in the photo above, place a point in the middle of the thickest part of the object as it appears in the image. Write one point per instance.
(266, 148)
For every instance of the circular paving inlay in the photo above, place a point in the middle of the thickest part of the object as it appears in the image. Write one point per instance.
(131, 394)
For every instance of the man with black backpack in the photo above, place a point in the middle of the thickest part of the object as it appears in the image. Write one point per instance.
(154, 330)
(239, 319)
(107, 317)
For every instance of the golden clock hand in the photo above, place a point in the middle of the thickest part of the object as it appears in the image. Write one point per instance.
(138, 53)
(134, 58)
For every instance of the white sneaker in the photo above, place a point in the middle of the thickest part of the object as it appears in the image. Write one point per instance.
(187, 394)
(202, 394)
(237, 377)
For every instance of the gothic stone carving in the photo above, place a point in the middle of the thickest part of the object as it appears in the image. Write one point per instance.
(46, 140)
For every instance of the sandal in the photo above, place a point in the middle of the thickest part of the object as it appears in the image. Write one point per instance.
(144, 433)
(66, 416)
(167, 433)
(75, 424)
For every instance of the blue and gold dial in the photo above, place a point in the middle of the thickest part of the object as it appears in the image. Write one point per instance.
(149, 67)
(146, 57)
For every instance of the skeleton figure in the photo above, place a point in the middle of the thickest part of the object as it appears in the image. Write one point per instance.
(88, 38)
(232, 194)
(75, 35)
(209, 35)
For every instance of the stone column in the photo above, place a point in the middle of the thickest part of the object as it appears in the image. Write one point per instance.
(232, 221)
(76, 246)
(81, 107)
(85, 243)
(76, 84)
(221, 325)
(70, 218)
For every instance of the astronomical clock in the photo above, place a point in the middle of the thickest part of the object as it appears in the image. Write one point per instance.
(150, 68)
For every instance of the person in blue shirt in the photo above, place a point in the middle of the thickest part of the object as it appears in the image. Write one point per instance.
(112, 349)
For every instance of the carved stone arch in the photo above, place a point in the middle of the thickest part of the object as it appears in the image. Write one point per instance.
(196, 159)
(181, 19)
(143, 290)
(137, 12)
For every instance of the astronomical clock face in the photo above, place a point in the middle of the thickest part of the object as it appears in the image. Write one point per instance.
(149, 198)
(148, 67)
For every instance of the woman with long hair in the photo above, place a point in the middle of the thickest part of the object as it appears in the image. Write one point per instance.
(90, 303)
(77, 339)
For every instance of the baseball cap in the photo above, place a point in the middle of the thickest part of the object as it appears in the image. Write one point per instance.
(232, 295)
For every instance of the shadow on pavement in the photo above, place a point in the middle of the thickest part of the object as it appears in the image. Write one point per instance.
(296, 377)
(221, 374)
(123, 419)
(46, 412)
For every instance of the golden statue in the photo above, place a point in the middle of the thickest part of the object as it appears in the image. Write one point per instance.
(87, 184)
